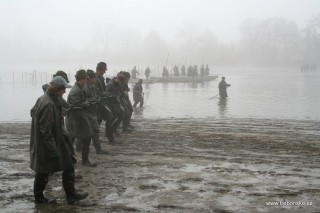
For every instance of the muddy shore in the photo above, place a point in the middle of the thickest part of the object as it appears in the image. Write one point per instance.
(180, 165)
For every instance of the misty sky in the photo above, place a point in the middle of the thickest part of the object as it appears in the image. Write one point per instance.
(74, 20)
(43, 27)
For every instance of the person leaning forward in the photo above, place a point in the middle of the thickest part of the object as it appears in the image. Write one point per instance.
(115, 92)
(77, 121)
(103, 108)
(126, 103)
(92, 98)
(51, 148)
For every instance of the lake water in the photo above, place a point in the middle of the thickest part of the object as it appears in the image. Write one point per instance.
(254, 93)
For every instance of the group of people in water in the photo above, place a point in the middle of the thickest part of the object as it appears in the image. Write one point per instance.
(191, 71)
(308, 68)
(58, 124)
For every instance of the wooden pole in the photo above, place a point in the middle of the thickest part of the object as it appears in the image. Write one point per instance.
(167, 59)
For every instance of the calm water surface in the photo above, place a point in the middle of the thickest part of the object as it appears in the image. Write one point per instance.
(284, 94)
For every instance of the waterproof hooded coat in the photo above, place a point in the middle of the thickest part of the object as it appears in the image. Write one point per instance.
(50, 147)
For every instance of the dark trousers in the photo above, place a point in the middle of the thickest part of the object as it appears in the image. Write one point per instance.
(83, 145)
(93, 119)
(138, 101)
(85, 149)
(105, 113)
(127, 114)
(108, 129)
(118, 114)
(41, 180)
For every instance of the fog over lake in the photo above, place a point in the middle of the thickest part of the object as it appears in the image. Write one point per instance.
(265, 93)
(268, 50)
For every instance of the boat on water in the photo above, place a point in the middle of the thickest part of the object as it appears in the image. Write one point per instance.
(176, 79)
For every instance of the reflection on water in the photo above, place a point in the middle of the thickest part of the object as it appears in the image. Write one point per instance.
(222, 104)
(284, 94)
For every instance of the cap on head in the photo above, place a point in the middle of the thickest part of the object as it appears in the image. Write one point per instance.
(62, 74)
(101, 66)
(60, 81)
(140, 81)
(81, 74)
(223, 77)
(91, 74)
(121, 78)
(126, 74)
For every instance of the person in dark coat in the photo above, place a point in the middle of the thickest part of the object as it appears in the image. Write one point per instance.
(103, 108)
(92, 98)
(176, 70)
(126, 104)
(78, 124)
(51, 148)
(165, 72)
(183, 70)
(207, 70)
(202, 71)
(147, 73)
(189, 71)
(134, 72)
(138, 94)
(114, 92)
(195, 71)
(223, 88)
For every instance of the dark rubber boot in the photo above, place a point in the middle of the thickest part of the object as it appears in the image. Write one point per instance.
(72, 198)
(39, 186)
(68, 180)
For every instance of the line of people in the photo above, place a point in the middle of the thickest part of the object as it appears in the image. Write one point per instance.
(192, 71)
(135, 72)
(91, 100)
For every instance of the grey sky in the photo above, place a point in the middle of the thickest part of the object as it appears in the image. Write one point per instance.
(65, 34)
(74, 21)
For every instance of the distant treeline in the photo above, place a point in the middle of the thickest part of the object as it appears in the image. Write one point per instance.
(274, 41)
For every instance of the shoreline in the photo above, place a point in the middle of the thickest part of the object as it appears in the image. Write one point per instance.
(181, 164)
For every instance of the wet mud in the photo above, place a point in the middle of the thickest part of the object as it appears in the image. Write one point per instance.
(179, 165)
